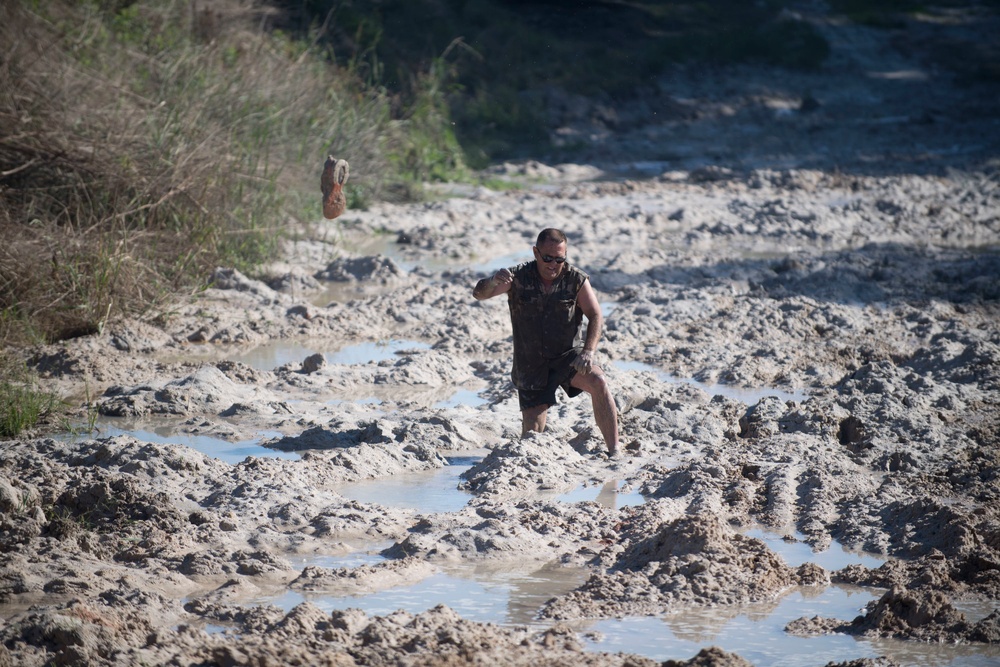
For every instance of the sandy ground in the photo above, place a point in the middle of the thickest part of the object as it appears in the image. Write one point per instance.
(840, 261)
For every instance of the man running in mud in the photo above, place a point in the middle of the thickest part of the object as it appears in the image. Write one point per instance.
(548, 299)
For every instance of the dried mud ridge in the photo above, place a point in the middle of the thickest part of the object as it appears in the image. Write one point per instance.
(875, 298)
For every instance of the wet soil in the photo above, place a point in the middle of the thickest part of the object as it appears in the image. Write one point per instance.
(802, 334)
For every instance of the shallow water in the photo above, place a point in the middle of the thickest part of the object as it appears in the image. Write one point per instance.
(269, 356)
(745, 395)
(224, 450)
(439, 491)
(609, 495)
(427, 491)
(463, 396)
(795, 553)
(365, 556)
(514, 596)
(479, 593)
(756, 632)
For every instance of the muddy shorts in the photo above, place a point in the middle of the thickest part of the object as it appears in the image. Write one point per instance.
(558, 377)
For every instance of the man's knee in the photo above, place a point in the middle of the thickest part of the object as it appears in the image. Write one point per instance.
(593, 383)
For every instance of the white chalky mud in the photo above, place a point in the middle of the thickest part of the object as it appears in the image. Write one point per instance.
(802, 335)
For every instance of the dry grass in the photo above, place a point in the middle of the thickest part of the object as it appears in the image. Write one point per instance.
(141, 149)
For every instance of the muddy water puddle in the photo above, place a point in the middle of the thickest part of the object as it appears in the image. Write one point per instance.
(275, 354)
(613, 494)
(514, 596)
(484, 593)
(756, 632)
(467, 396)
(218, 448)
(794, 550)
(428, 491)
(272, 355)
(441, 490)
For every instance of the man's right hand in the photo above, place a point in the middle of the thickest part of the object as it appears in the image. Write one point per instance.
(584, 362)
(496, 284)
(502, 277)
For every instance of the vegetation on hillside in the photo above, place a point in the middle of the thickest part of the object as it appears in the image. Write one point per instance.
(142, 146)
(499, 55)
(144, 143)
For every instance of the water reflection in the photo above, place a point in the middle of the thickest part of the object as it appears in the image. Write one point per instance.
(609, 495)
(271, 355)
(755, 632)
(425, 490)
(796, 552)
(276, 353)
(218, 448)
(482, 593)
(330, 562)
(463, 396)
(922, 654)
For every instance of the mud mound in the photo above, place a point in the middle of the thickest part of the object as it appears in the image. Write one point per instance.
(437, 637)
(696, 560)
(902, 614)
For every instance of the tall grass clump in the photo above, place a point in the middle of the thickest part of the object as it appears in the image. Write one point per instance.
(22, 403)
(143, 144)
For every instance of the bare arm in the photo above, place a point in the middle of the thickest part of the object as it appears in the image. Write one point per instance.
(586, 300)
(498, 283)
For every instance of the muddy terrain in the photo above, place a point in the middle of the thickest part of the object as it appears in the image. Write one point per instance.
(800, 277)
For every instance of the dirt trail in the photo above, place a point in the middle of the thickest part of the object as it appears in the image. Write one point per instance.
(848, 255)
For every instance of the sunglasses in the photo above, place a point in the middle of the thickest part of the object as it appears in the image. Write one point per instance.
(548, 259)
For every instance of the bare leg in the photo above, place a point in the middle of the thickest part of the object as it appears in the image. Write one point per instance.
(605, 411)
(533, 419)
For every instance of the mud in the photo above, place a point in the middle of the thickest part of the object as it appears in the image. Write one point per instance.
(847, 255)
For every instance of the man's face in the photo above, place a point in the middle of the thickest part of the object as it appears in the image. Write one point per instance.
(553, 250)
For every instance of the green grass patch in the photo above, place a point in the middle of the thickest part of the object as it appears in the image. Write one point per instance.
(22, 403)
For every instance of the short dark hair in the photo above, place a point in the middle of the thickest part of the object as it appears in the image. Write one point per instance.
(550, 235)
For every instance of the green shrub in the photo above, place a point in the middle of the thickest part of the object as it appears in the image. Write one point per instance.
(22, 403)
(512, 51)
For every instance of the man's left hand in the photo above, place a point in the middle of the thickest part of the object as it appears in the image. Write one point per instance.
(584, 362)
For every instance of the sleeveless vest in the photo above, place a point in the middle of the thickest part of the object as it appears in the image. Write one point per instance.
(546, 326)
